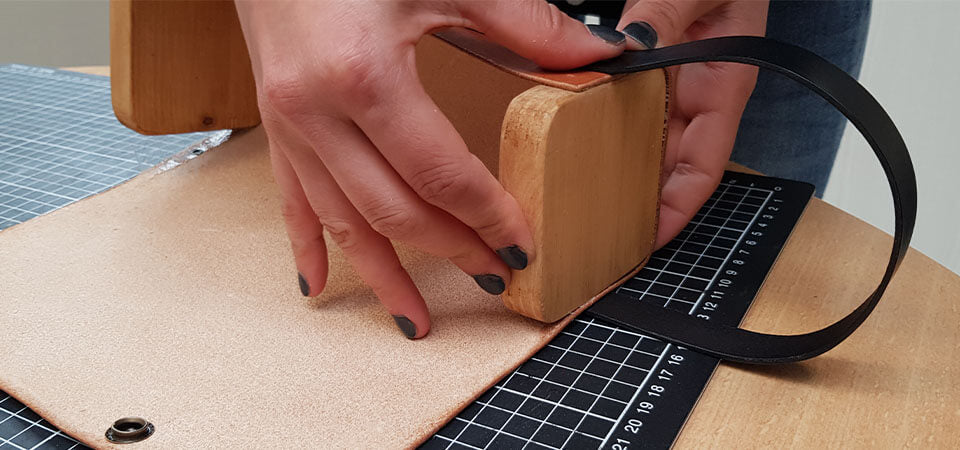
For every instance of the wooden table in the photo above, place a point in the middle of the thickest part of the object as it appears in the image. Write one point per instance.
(892, 384)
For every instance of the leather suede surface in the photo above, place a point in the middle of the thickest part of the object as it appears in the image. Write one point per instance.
(174, 297)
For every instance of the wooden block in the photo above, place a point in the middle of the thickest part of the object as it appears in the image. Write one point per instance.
(586, 169)
(180, 66)
(580, 151)
(584, 166)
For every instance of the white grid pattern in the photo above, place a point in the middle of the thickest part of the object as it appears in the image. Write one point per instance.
(60, 141)
(23, 429)
(519, 411)
(570, 394)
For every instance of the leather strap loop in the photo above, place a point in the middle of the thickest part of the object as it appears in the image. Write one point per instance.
(866, 114)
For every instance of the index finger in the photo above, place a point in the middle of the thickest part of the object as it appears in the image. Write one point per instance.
(423, 147)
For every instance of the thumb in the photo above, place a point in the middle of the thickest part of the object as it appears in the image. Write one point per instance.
(659, 23)
(542, 33)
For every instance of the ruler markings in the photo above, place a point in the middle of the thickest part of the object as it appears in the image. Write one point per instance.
(639, 390)
(621, 366)
(677, 277)
(579, 374)
(655, 419)
(672, 256)
(729, 255)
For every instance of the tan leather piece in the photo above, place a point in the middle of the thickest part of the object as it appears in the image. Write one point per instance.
(477, 45)
(174, 297)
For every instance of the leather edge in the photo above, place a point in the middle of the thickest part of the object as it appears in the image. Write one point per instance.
(551, 331)
(474, 43)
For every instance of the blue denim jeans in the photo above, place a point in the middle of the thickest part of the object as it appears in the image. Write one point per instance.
(787, 131)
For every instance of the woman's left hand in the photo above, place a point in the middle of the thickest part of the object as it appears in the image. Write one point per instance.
(706, 99)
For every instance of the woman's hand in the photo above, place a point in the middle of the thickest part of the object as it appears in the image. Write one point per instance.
(706, 100)
(359, 149)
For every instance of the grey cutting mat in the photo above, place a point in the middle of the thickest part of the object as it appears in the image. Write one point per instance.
(60, 142)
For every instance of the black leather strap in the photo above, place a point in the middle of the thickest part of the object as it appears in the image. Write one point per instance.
(848, 96)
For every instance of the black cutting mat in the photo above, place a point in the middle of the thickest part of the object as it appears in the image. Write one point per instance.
(599, 386)
(21, 428)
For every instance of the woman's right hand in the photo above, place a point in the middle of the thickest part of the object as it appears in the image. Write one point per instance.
(359, 149)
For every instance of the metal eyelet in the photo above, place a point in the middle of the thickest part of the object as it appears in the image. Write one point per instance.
(128, 430)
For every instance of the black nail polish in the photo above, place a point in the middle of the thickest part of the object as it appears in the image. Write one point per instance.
(643, 33)
(608, 34)
(514, 257)
(304, 286)
(491, 283)
(406, 326)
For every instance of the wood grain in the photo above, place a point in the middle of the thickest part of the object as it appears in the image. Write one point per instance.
(585, 166)
(180, 66)
(892, 384)
(549, 147)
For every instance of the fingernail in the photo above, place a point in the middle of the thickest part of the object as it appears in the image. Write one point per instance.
(304, 286)
(406, 326)
(642, 33)
(491, 283)
(514, 257)
(608, 34)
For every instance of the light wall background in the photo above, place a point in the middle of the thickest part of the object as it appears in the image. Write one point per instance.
(912, 66)
(54, 33)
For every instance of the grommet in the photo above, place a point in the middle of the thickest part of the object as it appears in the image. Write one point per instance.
(128, 430)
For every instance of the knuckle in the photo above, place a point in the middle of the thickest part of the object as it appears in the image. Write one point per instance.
(495, 225)
(304, 239)
(393, 222)
(495, 219)
(304, 248)
(548, 17)
(353, 74)
(441, 185)
(345, 234)
(284, 94)
(291, 212)
(690, 170)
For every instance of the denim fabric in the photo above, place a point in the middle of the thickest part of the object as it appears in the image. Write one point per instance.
(786, 130)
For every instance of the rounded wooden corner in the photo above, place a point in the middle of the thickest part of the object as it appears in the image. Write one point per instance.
(585, 168)
(180, 66)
